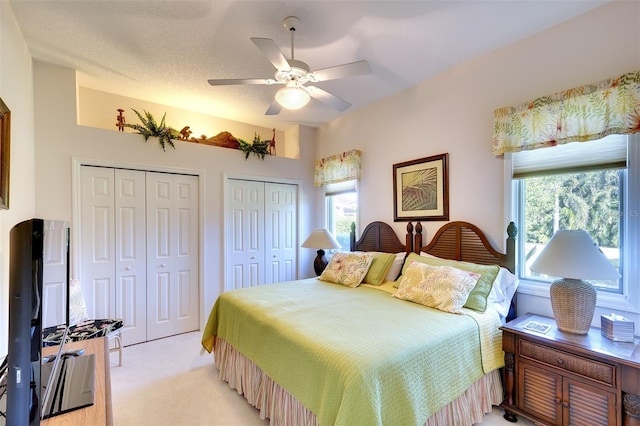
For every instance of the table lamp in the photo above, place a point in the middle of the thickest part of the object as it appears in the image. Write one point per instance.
(572, 254)
(320, 239)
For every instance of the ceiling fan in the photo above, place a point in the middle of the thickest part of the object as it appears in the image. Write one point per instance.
(295, 75)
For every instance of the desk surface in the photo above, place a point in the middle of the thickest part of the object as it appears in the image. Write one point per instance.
(100, 412)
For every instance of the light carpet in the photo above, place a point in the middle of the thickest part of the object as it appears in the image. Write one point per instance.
(169, 382)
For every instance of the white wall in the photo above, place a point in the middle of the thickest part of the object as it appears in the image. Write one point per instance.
(454, 113)
(17, 93)
(59, 140)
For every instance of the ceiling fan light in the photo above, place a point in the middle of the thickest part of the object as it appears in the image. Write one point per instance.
(292, 97)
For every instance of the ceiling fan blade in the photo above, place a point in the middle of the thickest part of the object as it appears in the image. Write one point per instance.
(272, 52)
(340, 71)
(230, 81)
(274, 108)
(327, 98)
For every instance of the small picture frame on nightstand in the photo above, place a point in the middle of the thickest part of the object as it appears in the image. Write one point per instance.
(537, 327)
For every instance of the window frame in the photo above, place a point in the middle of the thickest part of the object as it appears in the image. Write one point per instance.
(330, 210)
(629, 299)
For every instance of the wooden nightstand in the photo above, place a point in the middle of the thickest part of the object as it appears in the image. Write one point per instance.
(559, 378)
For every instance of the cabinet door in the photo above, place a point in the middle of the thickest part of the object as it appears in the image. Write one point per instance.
(588, 405)
(172, 254)
(131, 254)
(540, 393)
(280, 205)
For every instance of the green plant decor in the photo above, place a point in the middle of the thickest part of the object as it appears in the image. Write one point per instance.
(150, 127)
(258, 148)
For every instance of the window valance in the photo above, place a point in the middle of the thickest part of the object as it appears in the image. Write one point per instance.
(584, 113)
(337, 168)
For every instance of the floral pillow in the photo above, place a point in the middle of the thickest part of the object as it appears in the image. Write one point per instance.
(440, 287)
(348, 269)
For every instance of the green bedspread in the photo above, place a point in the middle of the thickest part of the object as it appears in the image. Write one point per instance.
(352, 356)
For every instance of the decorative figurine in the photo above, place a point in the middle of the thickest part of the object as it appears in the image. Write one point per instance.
(272, 144)
(185, 133)
(120, 120)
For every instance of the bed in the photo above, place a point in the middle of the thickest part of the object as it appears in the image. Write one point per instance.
(314, 351)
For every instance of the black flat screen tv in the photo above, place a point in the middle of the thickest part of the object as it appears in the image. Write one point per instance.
(29, 251)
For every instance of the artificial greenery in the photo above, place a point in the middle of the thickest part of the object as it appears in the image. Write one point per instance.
(150, 127)
(258, 148)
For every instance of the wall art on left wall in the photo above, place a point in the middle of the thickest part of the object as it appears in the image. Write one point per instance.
(5, 147)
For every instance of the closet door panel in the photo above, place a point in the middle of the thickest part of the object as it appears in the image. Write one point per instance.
(97, 252)
(131, 254)
(172, 255)
(244, 262)
(281, 232)
(185, 266)
(159, 255)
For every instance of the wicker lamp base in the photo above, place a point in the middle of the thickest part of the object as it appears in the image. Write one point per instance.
(573, 302)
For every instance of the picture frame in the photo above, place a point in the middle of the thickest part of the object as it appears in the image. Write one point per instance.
(5, 148)
(421, 189)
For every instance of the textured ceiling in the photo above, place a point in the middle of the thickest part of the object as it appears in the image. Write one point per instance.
(164, 51)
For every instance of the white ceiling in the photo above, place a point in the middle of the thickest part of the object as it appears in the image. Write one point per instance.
(164, 51)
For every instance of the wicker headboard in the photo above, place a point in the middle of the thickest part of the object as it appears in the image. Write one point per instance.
(466, 242)
(379, 236)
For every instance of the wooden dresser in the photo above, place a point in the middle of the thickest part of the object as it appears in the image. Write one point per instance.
(558, 378)
(100, 412)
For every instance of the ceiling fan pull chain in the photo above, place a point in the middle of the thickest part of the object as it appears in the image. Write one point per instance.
(291, 31)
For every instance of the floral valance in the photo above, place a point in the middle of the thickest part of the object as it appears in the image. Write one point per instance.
(337, 168)
(581, 114)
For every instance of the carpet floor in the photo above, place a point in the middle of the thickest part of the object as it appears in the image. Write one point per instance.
(169, 382)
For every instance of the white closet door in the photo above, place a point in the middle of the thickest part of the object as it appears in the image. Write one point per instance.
(280, 232)
(244, 234)
(131, 254)
(98, 241)
(172, 260)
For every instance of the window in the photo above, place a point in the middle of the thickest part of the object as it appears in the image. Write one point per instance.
(592, 186)
(341, 200)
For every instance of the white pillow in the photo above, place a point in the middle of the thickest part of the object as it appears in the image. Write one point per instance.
(396, 267)
(503, 289)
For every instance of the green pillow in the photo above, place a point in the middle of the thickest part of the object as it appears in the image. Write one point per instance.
(477, 299)
(379, 268)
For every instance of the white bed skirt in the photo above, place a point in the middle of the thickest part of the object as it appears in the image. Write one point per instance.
(282, 409)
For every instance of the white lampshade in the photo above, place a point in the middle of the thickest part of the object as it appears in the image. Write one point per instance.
(321, 239)
(292, 97)
(573, 254)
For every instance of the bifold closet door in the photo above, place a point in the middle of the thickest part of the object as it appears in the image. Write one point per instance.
(172, 254)
(113, 247)
(245, 234)
(260, 233)
(131, 254)
(281, 210)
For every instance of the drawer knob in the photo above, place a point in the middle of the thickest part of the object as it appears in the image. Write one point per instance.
(560, 361)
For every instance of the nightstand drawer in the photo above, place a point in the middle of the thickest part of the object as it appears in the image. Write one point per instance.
(603, 373)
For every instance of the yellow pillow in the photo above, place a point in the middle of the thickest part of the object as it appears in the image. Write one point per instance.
(440, 287)
(379, 268)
